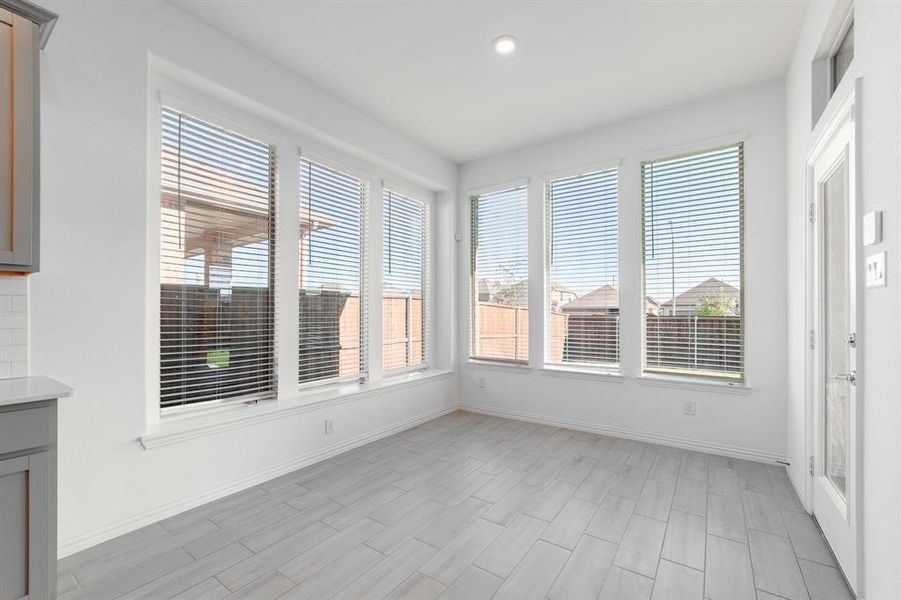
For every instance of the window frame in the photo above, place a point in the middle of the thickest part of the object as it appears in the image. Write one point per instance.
(427, 200)
(607, 371)
(846, 27)
(694, 380)
(180, 91)
(472, 194)
(199, 106)
(327, 160)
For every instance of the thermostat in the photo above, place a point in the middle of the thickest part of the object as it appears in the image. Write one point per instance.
(872, 228)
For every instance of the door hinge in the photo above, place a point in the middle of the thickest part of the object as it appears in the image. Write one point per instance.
(812, 339)
(810, 466)
(812, 213)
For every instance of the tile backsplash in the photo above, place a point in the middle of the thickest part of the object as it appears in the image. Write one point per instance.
(13, 326)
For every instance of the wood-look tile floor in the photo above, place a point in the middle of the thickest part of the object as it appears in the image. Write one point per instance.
(473, 507)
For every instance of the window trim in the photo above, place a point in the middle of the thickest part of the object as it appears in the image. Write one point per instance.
(549, 176)
(167, 93)
(692, 380)
(522, 182)
(182, 90)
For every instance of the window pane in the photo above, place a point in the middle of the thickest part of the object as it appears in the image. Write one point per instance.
(404, 290)
(692, 221)
(500, 282)
(842, 58)
(583, 259)
(217, 216)
(332, 271)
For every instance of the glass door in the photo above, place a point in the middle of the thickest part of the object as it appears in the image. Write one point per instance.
(833, 466)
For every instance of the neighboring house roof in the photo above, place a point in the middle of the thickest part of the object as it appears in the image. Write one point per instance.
(711, 287)
(504, 293)
(604, 298)
(559, 288)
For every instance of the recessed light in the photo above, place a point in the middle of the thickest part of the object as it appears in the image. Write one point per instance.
(505, 44)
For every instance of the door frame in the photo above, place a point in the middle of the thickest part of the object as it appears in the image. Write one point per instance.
(843, 108)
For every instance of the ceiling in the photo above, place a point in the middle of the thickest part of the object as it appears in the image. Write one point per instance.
(428, 69)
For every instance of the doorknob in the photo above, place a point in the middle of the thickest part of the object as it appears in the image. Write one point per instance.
(849, 377)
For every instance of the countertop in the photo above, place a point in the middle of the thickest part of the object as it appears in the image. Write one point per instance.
(21, 390)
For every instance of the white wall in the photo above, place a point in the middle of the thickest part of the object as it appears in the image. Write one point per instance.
(877, 50)
(88, 303)
(750, 424)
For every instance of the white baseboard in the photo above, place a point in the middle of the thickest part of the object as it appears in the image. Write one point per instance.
(77, 543)
(631, 434)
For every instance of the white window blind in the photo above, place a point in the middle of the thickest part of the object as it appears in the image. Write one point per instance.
(332, 275)
(692, 209)
(499, 267)
(405, 281)
(217, 245)
(583, 265)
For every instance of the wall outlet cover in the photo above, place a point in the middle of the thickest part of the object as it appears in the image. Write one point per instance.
(875, 270)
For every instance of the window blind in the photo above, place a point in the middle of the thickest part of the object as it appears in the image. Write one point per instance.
(405, 282)
(583, 264)
(692, 208)
(332, 275)
(217, 236)
(499, 267)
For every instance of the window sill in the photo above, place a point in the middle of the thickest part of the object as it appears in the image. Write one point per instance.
(180, 428)
(584, 373)
(700, 385)
(474, 363)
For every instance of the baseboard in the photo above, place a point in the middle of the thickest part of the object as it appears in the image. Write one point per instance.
(77, 543)
(631, 434)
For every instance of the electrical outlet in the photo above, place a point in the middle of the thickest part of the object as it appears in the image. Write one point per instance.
(690, 408)
(483, 383)
(875, 270)
(329, 425)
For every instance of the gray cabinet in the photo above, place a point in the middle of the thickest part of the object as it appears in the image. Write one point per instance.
(24, 28)
(28, 500)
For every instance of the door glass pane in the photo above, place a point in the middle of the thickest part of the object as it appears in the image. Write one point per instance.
(837, 328)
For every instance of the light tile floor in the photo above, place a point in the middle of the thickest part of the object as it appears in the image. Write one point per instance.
(473, 507)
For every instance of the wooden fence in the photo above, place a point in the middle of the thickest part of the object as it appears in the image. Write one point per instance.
(503, 332)
(694, 343)
(590, 338)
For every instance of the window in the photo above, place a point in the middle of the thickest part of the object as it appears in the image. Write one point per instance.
(332, 275)
(692, 212)
(404, 281)
(583, 264)
(841, 59)
(217, 252)
(500, 284)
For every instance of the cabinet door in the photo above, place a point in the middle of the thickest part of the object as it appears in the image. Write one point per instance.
(25, 521)
(18, 144)
(14, 528)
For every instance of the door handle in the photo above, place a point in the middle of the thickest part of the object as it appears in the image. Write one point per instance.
(849, 377)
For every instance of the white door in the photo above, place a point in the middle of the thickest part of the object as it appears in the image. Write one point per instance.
(834, 465)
